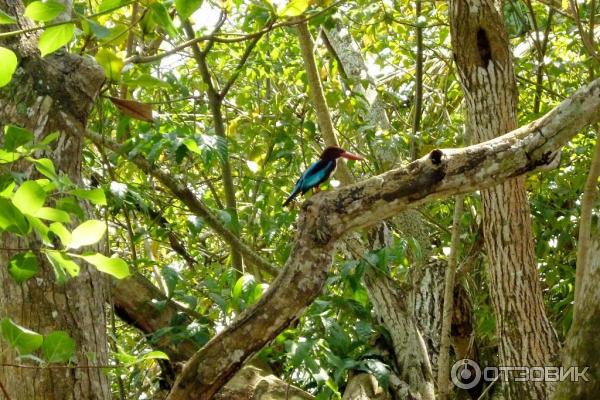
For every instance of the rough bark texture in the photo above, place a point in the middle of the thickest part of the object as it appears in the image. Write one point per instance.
(134, 301)
(52, 94)
(329, 215)
(409, 346)
(364, 387)
(484, 63)
(392, 308)
(581, 347)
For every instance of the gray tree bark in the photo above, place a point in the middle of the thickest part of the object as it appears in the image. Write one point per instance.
(50, 94)
(484, 64)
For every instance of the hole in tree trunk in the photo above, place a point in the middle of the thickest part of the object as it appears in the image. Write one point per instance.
(483, 45)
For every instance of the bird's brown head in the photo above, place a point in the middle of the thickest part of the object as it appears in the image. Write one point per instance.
(334, 152)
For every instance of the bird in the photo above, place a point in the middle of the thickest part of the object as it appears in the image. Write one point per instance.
(320, 171)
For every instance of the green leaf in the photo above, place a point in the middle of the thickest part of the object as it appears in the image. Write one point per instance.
(153, 355)
(110, 5)
(23, 266)
(146, 81)
(110, 63)
(45, 11)
(15, 137)
(62, 264)
(112, 266)
(55, 37)
(87, 233)
(171, 278)
(53, 214)
(40, 228)
(22, 339)
(45, 167)
(294, 8)
(58, 347)
(6, 19)
(162, 17)
(11, 219)
(8, 66)
(96, 196)
(7, 157)
(185, 8)
(29, 197)
(63, 233)
(242, 286)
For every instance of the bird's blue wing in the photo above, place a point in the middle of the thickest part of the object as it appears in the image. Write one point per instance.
(316, 174)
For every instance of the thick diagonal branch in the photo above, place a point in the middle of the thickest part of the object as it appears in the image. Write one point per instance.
(328, 216)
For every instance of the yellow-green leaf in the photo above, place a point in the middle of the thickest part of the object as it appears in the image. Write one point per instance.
(29, 197)
(294, 8)
(8, 65)
(110, 63)
(6, 19)
(112, 266)
(44, 11)
(55, 37)
(87, 233)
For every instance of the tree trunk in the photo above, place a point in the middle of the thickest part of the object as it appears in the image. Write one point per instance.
(485, 69)
(46, 95)
(583, 342)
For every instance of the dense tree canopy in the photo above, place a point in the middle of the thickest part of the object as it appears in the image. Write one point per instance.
(156, 140)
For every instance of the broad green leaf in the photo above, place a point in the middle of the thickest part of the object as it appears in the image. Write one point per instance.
(96, 196)
(29, 197)
(6, 19)
(25, 341)
(110, 63)
(8, 66)
(185, 8)
(15, 137)
(44, 11)
(23, 266)
(51, 137)
(87, 233)
(7, 157)
(112, 266)
(110, 5)
(192, 145)
(294, 8)
(58, 347)
(55, 37)
(242, 286)
(163, 19)
(41, 228)
(62, 232)
(11, 219)
(61, 263)
(53, 214)
(45, 167)
(7, 185)
(153, 355)
(146, 81)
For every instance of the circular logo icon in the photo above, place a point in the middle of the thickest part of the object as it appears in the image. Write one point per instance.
(465, 374)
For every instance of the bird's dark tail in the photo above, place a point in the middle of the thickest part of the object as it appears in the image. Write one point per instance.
(289, 199)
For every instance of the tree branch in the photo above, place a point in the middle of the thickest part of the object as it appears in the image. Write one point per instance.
(328, 216)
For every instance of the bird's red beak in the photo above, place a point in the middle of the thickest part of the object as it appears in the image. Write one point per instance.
(351, 156)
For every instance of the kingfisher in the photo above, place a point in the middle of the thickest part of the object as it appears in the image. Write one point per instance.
(320, 171)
